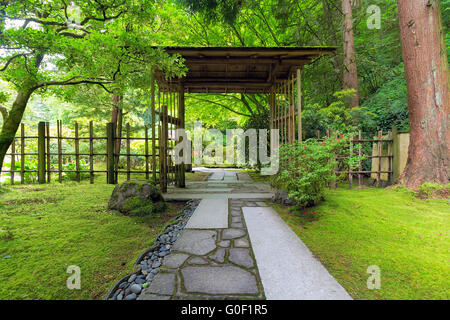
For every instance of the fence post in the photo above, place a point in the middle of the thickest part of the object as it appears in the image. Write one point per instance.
(380, 154)
(350, 170)
(22, 153)
(396, 171)
(110, 146)
(41, 152)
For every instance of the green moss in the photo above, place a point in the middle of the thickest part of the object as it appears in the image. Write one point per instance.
(133, 203)
(43, 238)
(406, 237)
(143, 211)
(160, 206)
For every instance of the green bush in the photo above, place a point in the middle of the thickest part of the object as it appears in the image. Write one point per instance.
(72, 176)
(307, 167)
(30, 164)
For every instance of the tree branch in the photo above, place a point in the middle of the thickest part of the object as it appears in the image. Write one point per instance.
(72, 82)
(11, 60)
(221, 105)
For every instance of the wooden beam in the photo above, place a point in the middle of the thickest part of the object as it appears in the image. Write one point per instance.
(299, 104)
(207, 61)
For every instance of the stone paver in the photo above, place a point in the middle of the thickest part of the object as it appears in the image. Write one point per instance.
(219, 256)
(197, 242)
(210, 214)
(224, 243)
(163, 283)
(175, 260)
(232, 233)
(241, 257)
(219, 280)
(241, 243)
(197, 260)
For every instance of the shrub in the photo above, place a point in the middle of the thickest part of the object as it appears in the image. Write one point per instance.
(72, 176)
(307, 167)
(31, 164)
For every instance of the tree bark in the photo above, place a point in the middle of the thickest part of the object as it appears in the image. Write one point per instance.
(117, 119)
(427, 79)
(12, 122)
(350, 74)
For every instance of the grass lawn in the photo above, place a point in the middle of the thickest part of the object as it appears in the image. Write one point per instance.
(44, 229)
(406, 237)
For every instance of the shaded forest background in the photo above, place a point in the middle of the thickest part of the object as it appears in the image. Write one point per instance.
(381, 81)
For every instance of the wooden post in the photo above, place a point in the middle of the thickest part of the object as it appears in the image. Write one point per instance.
(160, 141)
(299, 104)
(147, 165)
(13, 159)
(49, 165)
(272, 108)
(360, 176)
(181, 114)
(110, 133)
(128, 153)
(153, 106)
(389, 158)
(22, 153)
(77, 153)
(91, 152)
(350, 173)
(380, 152)
(164, 145)
(59, 125)
(396, 154)
(41, 152)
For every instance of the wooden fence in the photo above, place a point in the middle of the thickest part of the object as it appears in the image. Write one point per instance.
(359, 141)
(44, 154)
(151, 167)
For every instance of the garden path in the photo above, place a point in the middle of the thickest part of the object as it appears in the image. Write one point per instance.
(236, 247)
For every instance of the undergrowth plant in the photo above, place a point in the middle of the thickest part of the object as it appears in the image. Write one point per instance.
(307, 167)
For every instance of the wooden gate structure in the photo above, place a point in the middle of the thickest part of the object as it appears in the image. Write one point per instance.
(276, 71)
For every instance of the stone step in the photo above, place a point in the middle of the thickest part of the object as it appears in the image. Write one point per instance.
(189, 196)
(288, 269)
(210, 214)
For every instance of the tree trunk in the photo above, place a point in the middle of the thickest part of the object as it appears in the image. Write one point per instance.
(12, 123)
(350, 74)
(117, 119)
(427, 80)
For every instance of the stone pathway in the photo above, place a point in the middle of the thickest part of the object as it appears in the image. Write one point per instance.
(223, 254)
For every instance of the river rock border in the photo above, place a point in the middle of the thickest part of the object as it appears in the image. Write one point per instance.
(148, 263)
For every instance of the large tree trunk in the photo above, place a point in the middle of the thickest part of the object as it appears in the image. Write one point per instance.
(350, 74)
(12, 122)
(427, 79)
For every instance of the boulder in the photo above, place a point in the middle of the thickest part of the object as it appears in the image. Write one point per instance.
(138, 198)
(281, 196)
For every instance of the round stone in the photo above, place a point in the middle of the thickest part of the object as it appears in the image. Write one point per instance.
(136, 288)
(132, 278)
(131, 296)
